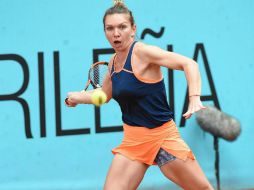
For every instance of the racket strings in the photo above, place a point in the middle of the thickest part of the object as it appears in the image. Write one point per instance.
(97, 74)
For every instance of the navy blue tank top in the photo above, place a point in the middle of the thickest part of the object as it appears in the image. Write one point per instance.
(142, 104)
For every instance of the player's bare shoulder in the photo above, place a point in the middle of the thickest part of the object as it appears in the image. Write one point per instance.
(141, 50)
(144, 50)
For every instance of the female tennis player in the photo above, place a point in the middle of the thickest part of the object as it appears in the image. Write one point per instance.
(135, 81)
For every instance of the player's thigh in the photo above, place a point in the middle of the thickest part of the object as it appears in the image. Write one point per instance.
(124, 174)
(187, 174)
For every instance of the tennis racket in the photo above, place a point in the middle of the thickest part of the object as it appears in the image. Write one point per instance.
(96, 75)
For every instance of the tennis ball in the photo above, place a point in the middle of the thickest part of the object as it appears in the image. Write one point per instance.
(98, 97)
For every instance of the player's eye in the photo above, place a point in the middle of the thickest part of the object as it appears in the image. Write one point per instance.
(122, 26)
(109, 28)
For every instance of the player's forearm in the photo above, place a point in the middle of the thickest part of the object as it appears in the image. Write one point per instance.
(82, 97)
(86, 97)
(193, 78)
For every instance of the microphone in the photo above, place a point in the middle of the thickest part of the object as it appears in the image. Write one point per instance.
(219, 124)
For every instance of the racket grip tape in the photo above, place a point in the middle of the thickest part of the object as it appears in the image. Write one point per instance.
(66, 101)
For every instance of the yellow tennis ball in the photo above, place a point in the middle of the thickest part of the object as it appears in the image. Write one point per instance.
(98, 97)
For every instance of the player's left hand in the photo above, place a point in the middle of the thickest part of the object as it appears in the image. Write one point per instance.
(195, 105)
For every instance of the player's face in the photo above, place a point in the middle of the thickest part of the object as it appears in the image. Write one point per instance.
(119, 31)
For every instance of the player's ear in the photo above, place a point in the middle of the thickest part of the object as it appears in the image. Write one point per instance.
(134, 28)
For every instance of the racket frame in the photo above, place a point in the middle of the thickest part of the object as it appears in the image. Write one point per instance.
(90, 81)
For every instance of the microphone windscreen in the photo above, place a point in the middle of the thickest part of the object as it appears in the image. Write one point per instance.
(219, 124)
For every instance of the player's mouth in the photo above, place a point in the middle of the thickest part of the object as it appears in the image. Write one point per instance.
(117, 42)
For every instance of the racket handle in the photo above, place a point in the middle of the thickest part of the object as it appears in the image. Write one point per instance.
(66, 101)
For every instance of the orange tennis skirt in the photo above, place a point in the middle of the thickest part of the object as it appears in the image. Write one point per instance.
(143, 144)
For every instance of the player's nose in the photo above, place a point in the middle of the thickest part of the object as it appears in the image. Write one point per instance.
(116, 32)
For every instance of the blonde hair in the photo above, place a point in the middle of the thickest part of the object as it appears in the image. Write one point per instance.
(119, 8)
(118, 3)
